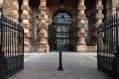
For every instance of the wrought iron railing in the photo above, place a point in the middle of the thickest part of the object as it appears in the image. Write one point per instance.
(108, 46)
(11, 47)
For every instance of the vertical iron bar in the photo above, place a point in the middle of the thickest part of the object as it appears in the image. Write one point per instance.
(2, 74)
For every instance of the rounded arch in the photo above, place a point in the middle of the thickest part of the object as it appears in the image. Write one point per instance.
(61, 32)
(62, 11)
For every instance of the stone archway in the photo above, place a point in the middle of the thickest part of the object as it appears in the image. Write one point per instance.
(61, 32)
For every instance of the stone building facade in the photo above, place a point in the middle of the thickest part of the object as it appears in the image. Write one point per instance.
(37, 18)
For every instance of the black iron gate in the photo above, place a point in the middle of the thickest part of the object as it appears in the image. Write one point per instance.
(61, 32)
(108, 46)
(11, 47)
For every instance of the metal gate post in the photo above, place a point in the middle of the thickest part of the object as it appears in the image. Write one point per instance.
(2, 72)
(117, 45)
(117, 62)
(2, 65)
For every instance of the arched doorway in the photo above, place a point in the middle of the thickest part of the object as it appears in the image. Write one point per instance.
(61, 32)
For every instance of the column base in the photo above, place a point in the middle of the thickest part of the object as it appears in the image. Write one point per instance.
(81, 48)
(42, 48)
(26, 48)
(36, 48)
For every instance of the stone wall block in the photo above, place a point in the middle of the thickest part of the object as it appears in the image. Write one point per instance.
(43, 16)
(43, 3)
(81, 7)
(80, 25)
(99, 16)
(9, 11)
(26, 30)
(25, 16)
(99, 7)
(43, 21)
(26, 25)
(80, 34)
(25, 7)
(80, 16)
(43, 8)
(43, 25)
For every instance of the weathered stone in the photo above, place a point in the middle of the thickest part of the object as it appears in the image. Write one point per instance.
(99, 16)
(81, 7)
(80, 16)
(48, 9)
(44, 25)
(81, 47)
(80, 25)
(42, 8)
(99, 7)
(26, 30)
(25, 16)
(24, 7)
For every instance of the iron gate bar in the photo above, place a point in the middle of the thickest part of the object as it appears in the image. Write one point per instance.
(12, 44)
(108, 46)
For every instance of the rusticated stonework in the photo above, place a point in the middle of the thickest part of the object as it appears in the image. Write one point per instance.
(37, 37)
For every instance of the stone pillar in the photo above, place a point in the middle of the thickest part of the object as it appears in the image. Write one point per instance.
(43, 33)
(25, 19)
(8, 8)
(114, 4)
(81, 45)
(98, 19)
(15, 10)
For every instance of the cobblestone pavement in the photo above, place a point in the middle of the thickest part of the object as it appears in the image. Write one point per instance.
(45, 66)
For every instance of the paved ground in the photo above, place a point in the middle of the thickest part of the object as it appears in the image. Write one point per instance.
(45, 65)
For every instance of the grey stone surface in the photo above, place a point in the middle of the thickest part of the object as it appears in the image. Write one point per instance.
(45, 66)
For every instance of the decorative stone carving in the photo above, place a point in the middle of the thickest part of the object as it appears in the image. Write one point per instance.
(25, 17)
(43, 26)
(81, 27)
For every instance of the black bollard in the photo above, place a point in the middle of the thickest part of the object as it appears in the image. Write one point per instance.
(60, 61)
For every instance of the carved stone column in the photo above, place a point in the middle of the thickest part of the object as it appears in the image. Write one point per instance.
(99, 16)
(25, 18)
(43, 33)
(15, 10)
(81, 45)
(114, 7)
(8, 7)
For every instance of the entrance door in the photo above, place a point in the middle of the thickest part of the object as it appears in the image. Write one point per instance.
(61, 33)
